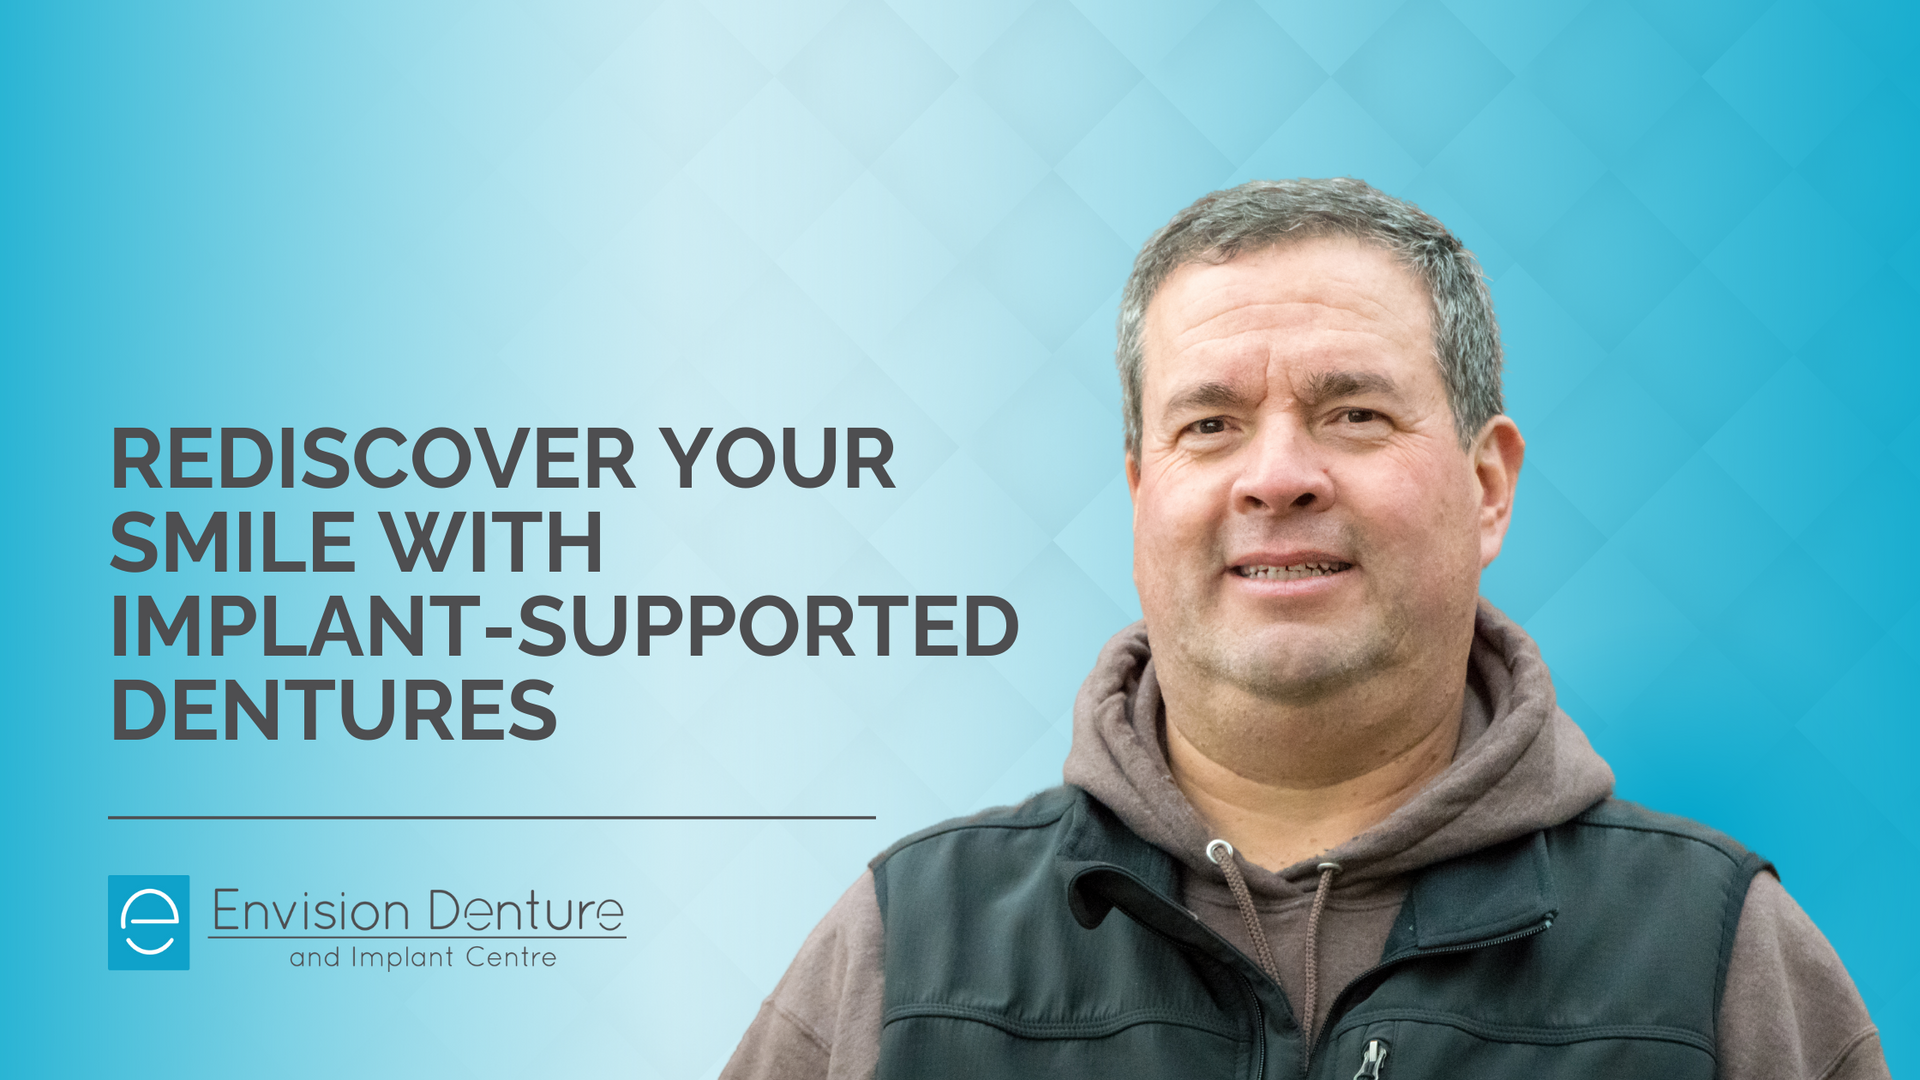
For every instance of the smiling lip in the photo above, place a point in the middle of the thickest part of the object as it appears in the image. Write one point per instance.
(1289, 566)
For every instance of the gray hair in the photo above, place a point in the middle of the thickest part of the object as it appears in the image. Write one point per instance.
(1265, 213)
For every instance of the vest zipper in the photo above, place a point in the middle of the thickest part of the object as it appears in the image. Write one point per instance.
(1333, 1014)
(1259, 1029)
(1375, 1060)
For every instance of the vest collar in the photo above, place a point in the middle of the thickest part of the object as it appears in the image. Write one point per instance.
(1475, 899)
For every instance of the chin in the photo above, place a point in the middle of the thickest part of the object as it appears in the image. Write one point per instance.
(1293, 663)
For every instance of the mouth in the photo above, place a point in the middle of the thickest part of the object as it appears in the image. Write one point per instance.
(1292, 571)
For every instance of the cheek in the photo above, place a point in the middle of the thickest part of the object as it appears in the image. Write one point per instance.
(1429, 511)
(1174, 521)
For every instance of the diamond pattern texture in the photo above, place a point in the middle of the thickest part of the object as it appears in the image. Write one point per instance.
(918, 215)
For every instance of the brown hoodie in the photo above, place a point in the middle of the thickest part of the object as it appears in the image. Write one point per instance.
(1789, 1011)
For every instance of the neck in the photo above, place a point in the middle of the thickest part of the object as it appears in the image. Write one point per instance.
(1286, 782)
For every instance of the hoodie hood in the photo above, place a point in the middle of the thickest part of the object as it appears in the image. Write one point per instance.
(1522, 765)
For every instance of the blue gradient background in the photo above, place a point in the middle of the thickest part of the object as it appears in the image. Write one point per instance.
(915, 215)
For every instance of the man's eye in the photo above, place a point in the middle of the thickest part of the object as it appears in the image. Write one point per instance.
(1213, 425)
(1361, 416)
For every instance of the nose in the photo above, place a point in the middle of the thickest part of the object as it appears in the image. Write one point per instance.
(1281, 471)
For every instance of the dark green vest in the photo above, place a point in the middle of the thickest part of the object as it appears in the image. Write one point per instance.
(1594, 949)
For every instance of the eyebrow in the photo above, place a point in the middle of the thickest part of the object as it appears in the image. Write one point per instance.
(1208, 395)
(1326, 385)
(1321, 388)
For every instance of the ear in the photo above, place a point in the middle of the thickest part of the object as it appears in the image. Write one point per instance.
(1133, 481)
(1496, 454)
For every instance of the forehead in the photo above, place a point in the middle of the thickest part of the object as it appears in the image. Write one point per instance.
(1334, 299)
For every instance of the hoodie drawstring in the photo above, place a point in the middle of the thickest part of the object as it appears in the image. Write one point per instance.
(1320, 891)
(1221, 854)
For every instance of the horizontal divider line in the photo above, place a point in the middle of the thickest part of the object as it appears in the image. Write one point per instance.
(416, 937)
(492, 817)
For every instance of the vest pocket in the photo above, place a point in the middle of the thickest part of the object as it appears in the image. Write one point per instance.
(930, 1045)
(1438, 1044)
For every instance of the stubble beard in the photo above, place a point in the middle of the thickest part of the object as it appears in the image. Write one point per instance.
(1290, 665)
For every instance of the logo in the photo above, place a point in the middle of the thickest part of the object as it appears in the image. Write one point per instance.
(148, 928)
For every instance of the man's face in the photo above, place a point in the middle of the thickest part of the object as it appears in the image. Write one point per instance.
(1304, 515)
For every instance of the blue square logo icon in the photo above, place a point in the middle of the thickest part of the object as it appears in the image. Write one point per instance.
(148, 924)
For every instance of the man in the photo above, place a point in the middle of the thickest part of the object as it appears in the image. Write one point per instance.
(1322, 815)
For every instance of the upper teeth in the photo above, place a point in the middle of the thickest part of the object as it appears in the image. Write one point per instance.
(1297, 570)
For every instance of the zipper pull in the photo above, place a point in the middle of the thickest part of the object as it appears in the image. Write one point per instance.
(1375, 1060)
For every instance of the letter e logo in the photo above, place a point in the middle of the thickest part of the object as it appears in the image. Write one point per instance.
(148, 928)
